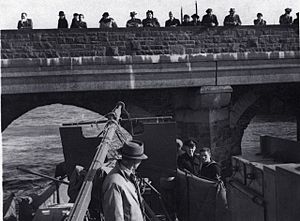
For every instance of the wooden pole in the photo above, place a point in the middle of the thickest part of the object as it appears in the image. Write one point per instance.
(83, 199)
(181, 14)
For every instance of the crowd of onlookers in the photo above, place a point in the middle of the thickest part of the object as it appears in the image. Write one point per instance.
(208, 20)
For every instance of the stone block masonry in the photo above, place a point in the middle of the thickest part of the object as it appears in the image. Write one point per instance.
(53, 43)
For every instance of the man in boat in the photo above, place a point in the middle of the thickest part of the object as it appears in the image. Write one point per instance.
(190, 160)
(209, 168)
(121, 195)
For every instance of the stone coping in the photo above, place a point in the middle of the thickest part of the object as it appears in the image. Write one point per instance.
(148, 59)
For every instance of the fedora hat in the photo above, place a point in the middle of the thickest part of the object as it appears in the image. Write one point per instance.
(208, 10)
(195, 16)
(61, 13)
(288, 9)
(133, 13)
(133, 150)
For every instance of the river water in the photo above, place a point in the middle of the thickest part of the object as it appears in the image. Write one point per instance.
(32, 142)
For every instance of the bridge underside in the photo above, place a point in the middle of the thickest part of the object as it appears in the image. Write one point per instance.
(69, 74)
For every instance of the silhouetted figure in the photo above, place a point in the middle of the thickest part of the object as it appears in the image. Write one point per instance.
(259, 21)
(133, 22)
(195, 20)
(209, 20)
(62, 21)
(172, 22)
(107, 22)
(25, 23)
(82, 23)
(296, 20)
(232, 19)
(150, 21)
(75, 21)
(286, 18)
(186, 21)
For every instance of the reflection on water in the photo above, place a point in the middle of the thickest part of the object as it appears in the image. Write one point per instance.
(33, 142)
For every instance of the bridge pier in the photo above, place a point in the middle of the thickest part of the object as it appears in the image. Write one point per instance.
(204, 115)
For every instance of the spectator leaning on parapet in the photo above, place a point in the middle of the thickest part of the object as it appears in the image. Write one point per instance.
(107, 22)
(172, 22)
(62, 21)
(195, 20)
(209, 20)
(150, 21)
(75, 21)
(232, 19)
(25, 23)
(186, 21)
(133, 22)
(259, 21)
(296, 20)
(286, 18)
(82, 23)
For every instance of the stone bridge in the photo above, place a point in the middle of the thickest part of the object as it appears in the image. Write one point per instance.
(213, 81)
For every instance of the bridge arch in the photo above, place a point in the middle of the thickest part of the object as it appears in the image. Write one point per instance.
(279, 99)
(102, 102)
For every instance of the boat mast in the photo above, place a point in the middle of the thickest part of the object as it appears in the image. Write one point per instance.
(83, 199)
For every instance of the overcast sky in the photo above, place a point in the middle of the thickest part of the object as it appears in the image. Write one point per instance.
(44, 13)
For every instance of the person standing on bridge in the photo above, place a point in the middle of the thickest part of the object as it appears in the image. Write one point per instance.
(195, 20)
(82, 23)
(62, 21)
(75, 21)
(286, 18)
(150, 21)
(25, 23)
(186, 21)
(133, 22)
(259, 21)
(172, 22)
(232, 19)
(107, 22)
(209, 20)
(122, 199)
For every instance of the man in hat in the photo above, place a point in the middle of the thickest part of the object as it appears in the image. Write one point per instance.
(75, 21)
(24, 23)
(232, 19)
(209, 20)
(195, 20)
(172, 22)
(286, 18)
(121, 195)
(189, 161)
(209, 168)
(259, 21)
(186, 21)
(133, 22)
(107, 22)
(62, 21)
(150, 21)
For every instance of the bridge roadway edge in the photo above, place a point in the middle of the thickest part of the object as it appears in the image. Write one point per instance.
(36, 75)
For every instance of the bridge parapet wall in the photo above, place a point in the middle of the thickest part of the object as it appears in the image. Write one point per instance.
(53, 43)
